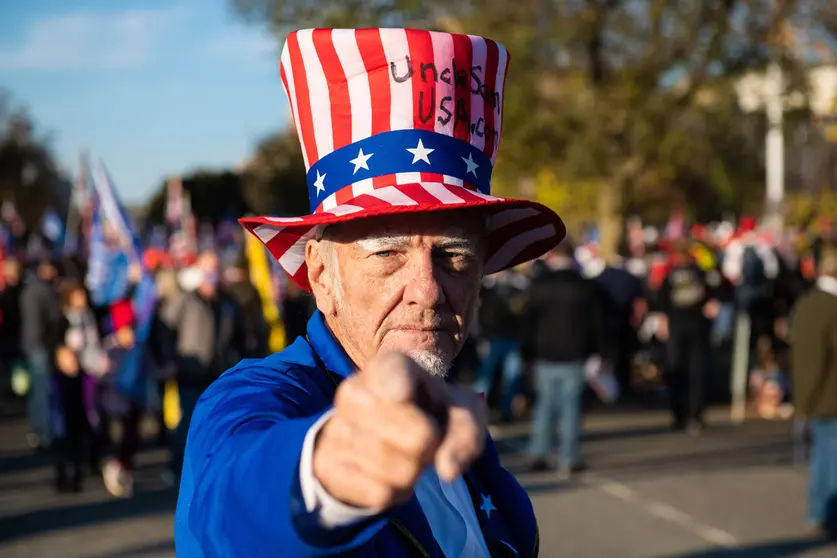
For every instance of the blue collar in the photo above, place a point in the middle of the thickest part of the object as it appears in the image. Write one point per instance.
(327, 348)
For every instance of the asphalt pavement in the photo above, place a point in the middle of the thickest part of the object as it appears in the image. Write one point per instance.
(648, 493)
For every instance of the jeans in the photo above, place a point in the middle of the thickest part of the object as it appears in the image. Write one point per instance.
(559, 389)
(685, 374)
(507, 353)
(38, 407)
(822, 476)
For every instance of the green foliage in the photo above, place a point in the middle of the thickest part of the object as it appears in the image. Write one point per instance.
(214, 196)
(272, 182)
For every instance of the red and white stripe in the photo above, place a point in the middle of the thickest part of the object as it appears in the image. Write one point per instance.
(342, 90)
(514, 234)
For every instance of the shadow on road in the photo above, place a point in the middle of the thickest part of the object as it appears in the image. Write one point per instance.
(700, 460)
(778, 549)
(154, 549)
(549, 486)
(68, 517)
(17, 462)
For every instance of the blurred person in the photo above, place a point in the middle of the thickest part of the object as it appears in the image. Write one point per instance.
(625, 308)
(40, 312)
(10, 325)
(117, 407)
(78, 358)
(297, 308)
(823, 231)
(564, 325)
(751, 265)
(209, 338)
(768, 382)
(162, 341)
(687, 302)
(500, 317)
(328, 447)
(814, 388)
(238, 287)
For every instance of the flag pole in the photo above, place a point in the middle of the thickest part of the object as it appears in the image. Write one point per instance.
(73, 219)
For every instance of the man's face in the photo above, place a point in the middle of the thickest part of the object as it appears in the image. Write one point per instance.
(406, 283)
(209, 264)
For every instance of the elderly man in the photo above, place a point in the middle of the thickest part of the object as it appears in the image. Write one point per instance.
(351, 441)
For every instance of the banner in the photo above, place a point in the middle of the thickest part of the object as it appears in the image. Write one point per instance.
(115, 249)
(261, 279)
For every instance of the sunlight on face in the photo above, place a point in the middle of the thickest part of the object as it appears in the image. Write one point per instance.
(407, 284)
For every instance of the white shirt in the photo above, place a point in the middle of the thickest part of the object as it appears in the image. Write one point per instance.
(447, 507)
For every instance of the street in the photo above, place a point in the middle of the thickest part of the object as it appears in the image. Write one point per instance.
(649, 493)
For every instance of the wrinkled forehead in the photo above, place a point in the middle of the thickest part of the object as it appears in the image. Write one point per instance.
(464, 227)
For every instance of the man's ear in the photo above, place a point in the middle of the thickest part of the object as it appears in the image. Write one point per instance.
(319, 278)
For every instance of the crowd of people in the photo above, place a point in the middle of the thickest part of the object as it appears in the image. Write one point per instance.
(659, 314)
(67, 355)
(662, 316)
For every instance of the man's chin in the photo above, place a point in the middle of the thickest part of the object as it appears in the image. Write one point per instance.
(408, 341)
(433, 361)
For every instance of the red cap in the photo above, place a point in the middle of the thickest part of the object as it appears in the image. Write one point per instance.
(747, 224)
(121, 314)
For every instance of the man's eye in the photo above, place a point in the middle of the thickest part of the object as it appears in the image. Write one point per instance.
(384, 253)
(454, 256)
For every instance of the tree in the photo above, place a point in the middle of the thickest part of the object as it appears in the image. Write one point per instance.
(636, 96)
(274, 178)
(271, 182)
(28, 174)
(214, 196)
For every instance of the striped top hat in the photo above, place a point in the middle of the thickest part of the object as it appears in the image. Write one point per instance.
(399, 121)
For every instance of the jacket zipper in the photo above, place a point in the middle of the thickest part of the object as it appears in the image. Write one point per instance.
(410, 538)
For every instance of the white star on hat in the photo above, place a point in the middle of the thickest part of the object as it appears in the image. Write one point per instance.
(420, 153)
(472, 166)
(360, 161)
(318, 184)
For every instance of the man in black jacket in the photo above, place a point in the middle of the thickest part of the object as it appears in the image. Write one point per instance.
(563, 326)
(502, 297)
(688, 300)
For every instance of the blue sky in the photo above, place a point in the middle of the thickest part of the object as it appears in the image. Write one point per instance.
(154, 87)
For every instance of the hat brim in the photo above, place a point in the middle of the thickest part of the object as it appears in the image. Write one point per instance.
(517, 230)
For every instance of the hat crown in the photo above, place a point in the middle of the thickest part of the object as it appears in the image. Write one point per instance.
(374, 102)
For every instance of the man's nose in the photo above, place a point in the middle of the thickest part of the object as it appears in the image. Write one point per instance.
(423, 286)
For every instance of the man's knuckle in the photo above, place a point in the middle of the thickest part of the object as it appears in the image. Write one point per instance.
(380, 494)
(420, 436)
(408, 471)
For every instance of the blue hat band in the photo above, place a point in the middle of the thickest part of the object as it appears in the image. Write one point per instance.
(398, 151)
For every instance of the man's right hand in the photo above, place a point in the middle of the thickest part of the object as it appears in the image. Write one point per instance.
(391, 420)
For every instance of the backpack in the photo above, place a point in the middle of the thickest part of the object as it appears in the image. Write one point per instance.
(752, 267)
(753, 279)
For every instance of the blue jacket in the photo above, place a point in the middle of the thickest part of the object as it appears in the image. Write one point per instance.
(240, 493)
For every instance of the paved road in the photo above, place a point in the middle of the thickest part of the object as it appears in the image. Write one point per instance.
(649, 493)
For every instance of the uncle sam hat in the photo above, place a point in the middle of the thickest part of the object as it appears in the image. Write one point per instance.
(400, 121)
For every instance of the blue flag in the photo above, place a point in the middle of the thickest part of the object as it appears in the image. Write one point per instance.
(115, 246)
